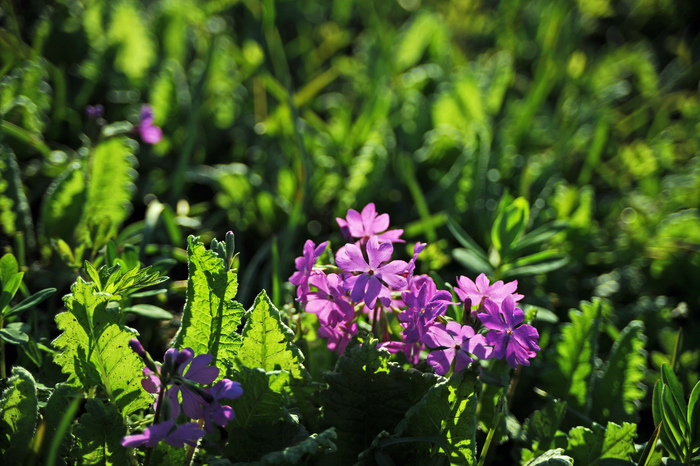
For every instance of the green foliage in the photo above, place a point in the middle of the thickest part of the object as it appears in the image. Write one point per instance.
(267, 342)
(588, 446)
(18, 415)
(211, 318)
(94, 349)
(620, 389)
(15, 212)
(99, 433)
(575, 353)
(542, 427)
(367, 394)
(554, 457)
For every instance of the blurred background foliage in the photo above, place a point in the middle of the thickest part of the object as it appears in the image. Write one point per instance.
(571, 125)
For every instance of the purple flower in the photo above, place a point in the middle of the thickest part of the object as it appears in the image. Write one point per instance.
(184, 434)
(517, 345)
(454, 341)
(198, 372)
(94, 112)
(330, 302)
(338, 336)
(305, 265)
(215, 412)
(411, 350)
(368, 224)
(481, 290)
(376, 276)
(423, 306)
(149, 132)
(417, 249)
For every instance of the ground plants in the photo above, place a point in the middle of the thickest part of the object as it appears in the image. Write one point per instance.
(493, 208)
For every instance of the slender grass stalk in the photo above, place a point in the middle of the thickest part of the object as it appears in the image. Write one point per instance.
(500, 406)
(66, 421)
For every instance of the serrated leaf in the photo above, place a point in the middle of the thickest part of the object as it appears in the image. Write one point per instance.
(19, 409)
(367, 394)
(110, 184)
(574, 353)
(551, 458)
(267, 341)
(99, 433)
(588, 446)
(211, 318)
(63, 205)
(620, 388)
(310, 446)
(94, 349)
(15, 213)
(543, 424)
(446, 416)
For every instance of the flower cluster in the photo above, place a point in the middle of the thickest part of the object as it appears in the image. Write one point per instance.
(366, 286)
(180, 384)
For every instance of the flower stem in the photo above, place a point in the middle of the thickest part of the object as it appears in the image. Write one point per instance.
(156, 418)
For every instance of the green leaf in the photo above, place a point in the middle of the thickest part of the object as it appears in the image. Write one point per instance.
(550, 261)
(31, 301)
(9, 289)
(466, 240)
(574, 353)
(675, 389)
(588, 446)
(509, 225)
(542, 425)
(63, 205)
(57, 407)
(667, 438)
(149, 311)
(99, 433)
(446, 414)
(167, 455)
(267, 341)
(540, 235)
(620, 388)
(472, 261)
(551, 458)
(129, 32)
(674, 419)
(415, 39)
(19, 410)
(694, 417)
(302, 451)
(15, 213)
(367, 394)
(8, 268)
(14, 335)
(110, 183)
(211, 317)
(650, 447)
(94, 348)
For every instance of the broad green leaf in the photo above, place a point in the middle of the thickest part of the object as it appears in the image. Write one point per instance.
(15, 213)
(415, 39)
(574, 353)
(211, 317)
(9, 289)
(267, 341)
(447, 412)
(57, 407)
(509, 226)
(63, 205)
(110, 184)
(675, 389)
(543, 424)
(94, 348)
(554, 457)
(19, 409)
(587, 446)
(367, 394)
(99, 433)
(8, 268)
(620, 388)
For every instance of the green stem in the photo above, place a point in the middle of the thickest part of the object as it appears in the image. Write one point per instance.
(492, 431)
(22, 135)
(156, 418)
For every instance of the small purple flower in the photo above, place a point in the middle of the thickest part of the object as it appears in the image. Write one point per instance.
(215, 412)
(517, 345)
(330, 302)
(454, 341)
(184, 434)
(305, 265)
(338, 336)
(481, 290)
(376, 276)
(94, 112)
(411, 350)
(198, 372)
(368, 224)
(149, 132)
(423, 307)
